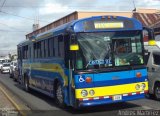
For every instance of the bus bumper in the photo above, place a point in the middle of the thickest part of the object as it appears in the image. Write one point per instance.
(101, 101)
(111, 94)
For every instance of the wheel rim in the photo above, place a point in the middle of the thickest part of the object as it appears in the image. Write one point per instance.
(59, 94)
(157, 92)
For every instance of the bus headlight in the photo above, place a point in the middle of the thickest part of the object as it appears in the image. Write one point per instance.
(143, 86)
(137, 87)
(91, 92)
(84, 93)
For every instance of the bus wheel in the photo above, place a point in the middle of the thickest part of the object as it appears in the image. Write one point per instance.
(26, 83)
(157, 91)
(59, 96)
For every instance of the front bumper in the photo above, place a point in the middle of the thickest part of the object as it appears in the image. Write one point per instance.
(5, 71)
(95, 102)
(107, 94)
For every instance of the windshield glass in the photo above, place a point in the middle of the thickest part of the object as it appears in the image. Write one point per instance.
(5, 65)
(108, 49)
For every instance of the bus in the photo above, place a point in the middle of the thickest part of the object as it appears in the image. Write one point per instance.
(86, 62)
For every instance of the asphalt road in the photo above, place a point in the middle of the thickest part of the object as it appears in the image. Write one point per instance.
(44, 105)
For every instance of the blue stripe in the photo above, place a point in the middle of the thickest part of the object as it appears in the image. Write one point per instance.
(110, 78)
(110, 82)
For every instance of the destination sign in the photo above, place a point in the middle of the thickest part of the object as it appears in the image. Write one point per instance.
(107, 25)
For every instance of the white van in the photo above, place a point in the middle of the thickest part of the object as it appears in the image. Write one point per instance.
(1, 62)
(152, 58)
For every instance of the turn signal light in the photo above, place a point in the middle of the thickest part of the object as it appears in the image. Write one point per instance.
(88, 79)
(138, 75)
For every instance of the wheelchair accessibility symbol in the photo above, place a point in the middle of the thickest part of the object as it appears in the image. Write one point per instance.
(81, 79)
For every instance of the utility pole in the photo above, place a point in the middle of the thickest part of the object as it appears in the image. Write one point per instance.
(134, 6)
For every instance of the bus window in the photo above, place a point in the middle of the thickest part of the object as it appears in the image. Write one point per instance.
(61, 46)
(42, 48)
(46, 48)
(51, 47)
(39, 53)
(25, 52)
(56, 46)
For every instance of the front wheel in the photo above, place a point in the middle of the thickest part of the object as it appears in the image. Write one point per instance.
(157, 91)
(59, 96)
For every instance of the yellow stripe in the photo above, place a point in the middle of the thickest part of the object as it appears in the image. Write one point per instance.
(48, 67)
(111, 90)
(13, 102)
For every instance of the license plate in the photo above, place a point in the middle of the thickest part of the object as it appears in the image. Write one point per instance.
(117, 97)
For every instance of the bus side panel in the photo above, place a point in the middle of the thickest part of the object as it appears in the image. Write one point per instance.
(42, 74)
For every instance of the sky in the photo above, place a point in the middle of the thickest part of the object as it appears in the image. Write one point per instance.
(18, 16)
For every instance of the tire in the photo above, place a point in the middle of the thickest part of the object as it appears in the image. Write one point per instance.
(157, 91)
(149, 96)
(59, 96)
(10, 74)
(26, 84)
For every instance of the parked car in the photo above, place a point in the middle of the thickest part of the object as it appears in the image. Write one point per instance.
(5, 68)
(12, 68)
(153, 66)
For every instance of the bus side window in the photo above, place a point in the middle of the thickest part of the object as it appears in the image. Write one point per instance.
(35, 50)
(25, 52)
(61, 46)
(51, 47)
(46, 48)
(42, 48)
(66, 50)
(56, 46)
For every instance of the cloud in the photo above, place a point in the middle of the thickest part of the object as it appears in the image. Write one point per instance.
(53, 8)
(148, 3)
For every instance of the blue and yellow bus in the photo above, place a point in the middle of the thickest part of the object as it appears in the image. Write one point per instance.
(86, 62)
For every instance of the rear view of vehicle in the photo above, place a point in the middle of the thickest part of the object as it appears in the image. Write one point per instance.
(12, 68)
(5, 68)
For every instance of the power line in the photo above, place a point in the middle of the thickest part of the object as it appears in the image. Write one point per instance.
(21, 16)
(2, 5)
(2, 30)
(9, 26)
(51, 6)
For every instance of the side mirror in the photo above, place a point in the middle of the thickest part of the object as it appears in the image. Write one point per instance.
(150, 36)
(74, 47)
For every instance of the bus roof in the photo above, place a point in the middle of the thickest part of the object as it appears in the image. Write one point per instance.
(84, 25)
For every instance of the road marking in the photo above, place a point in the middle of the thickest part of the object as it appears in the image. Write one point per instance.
(147, 108)
(13, 102)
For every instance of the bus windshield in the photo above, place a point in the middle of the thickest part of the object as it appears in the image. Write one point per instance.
(109, 49)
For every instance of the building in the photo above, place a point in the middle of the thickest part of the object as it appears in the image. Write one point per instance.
(148, 17)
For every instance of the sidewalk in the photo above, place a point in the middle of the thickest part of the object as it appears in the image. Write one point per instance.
(11, 105)
(6, 106)
(4, 102)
